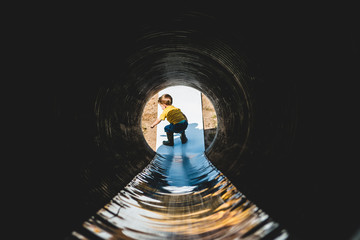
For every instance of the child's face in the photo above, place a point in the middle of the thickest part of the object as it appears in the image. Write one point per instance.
(163, 106)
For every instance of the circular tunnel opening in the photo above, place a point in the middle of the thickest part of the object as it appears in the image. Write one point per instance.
(171, 61)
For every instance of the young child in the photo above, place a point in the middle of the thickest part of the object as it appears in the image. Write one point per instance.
(178, 121)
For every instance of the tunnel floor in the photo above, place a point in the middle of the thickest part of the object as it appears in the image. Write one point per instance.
(181, 195)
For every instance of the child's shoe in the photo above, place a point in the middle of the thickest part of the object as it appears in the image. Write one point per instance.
(183, 138)
(170, 141)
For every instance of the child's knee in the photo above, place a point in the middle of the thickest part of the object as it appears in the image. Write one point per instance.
(168, 128)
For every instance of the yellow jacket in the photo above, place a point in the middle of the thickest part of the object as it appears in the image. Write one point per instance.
(173, 114)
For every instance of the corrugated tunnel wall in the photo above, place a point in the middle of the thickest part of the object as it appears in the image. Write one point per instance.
(269, 74)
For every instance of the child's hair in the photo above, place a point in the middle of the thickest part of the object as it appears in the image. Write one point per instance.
(165, 99)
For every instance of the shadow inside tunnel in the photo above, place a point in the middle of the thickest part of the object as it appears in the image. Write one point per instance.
(209, 136)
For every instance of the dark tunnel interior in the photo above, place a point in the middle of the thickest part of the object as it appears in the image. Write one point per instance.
(277, 80)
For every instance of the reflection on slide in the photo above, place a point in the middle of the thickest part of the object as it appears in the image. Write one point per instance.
(181, 197)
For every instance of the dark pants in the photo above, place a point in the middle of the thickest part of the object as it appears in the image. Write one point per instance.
(177, 128)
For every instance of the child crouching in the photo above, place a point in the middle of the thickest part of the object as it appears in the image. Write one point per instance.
(177, 119)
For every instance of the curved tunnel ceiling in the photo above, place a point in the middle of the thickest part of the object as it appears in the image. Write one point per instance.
(252, 87)
(198, 59)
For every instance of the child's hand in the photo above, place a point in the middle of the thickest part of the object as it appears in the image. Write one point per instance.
(157, 121)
